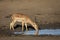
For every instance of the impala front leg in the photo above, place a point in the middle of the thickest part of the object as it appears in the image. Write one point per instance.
(22, 26)
(26, 26)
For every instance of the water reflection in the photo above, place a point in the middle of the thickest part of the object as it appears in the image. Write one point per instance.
(41, 32)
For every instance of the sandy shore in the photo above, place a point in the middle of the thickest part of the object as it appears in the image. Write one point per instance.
(30, 38)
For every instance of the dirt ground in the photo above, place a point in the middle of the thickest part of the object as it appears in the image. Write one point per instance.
(30, 38)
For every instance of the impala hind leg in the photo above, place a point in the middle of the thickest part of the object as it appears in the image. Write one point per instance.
(12, 25)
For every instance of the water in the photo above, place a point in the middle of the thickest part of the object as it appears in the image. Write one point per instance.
(41, 32)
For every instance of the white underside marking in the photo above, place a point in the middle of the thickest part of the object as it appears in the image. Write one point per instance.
(20, 19)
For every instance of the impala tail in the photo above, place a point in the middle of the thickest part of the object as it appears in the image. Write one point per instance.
(8, 16)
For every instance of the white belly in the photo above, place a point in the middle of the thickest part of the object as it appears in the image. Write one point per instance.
(20, 19)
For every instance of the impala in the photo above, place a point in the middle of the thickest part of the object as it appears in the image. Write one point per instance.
(24, 19)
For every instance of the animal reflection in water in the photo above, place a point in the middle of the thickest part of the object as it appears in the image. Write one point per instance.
(24, 19)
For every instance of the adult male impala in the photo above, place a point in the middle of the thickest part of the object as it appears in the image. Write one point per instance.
(18, 17)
